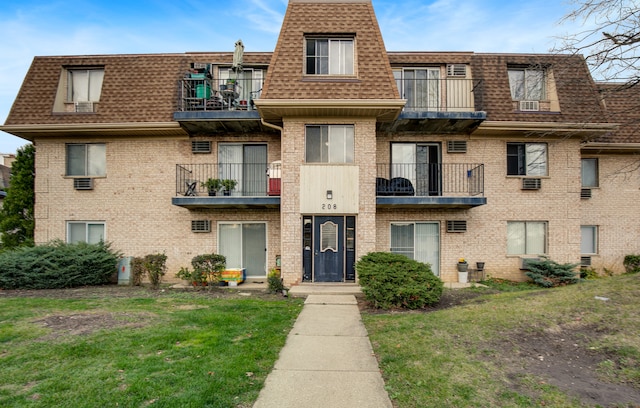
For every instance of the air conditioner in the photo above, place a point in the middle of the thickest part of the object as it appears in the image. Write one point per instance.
(524, 262)
(456, 226)
(84, 183)
(529, 106)
(200, 146)
(585, 261)
(456, 70)
(456, 146)
(531, 183)
(585, 193)
(84, 106)
(200, 226)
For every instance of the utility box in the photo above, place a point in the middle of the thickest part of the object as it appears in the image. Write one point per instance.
(125, 277)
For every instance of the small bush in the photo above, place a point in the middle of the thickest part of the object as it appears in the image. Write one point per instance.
(152, 265)
(275, 281)
(395, 281)
(548, 273)
(208, 267)
(589, 273)
(632, 263)
(57, 265)
(137, 270)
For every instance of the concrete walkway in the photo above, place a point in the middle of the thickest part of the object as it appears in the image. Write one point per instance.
(327, 361)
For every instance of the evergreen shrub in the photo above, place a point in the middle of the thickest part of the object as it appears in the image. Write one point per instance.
(549, 274)
(57, 265)
(395, 281)
(632, 263)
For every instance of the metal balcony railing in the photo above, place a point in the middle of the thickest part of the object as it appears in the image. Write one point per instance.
(205, 94)
(251, 179)
(430, 179)
(442, 95)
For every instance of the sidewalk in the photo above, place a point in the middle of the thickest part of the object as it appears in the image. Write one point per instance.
(327, 361)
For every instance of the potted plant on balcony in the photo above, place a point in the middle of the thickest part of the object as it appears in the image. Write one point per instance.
(228, 185)
(212, 185)
(463, 268)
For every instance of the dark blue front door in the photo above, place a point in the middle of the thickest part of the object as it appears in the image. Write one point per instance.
(328, 249)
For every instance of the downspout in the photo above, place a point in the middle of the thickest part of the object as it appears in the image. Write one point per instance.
(271, 125)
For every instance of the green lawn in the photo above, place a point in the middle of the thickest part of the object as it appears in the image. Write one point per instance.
(512, 349)
(159, 349)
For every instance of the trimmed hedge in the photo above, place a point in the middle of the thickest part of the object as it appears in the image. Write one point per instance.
(57, 265)
(395, 281)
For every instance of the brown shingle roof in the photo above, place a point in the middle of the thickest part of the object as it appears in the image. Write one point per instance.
(285, 79)
(623, 106)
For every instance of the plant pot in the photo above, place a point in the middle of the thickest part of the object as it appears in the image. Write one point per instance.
(227, 193)
(463, 266)
(212, 193)
(463, 277)
(480, 266)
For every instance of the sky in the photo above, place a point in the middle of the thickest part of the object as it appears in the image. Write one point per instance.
(82, 27)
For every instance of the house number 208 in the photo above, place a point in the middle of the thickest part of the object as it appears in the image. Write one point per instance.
(329, 206)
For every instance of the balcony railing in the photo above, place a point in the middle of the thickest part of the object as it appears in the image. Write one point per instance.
(430, 179)
(442, 95)
(251, 179)
(205, 94)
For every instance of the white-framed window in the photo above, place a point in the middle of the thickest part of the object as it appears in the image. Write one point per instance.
(86, 159)
(589, 172)
(526, 237)
(420, 87)
(329, 143)
(84, 84)
(527, 159)
(588, 239)
(244, 245)
(419, 241)
(91, 232)
(527, 84)
(246, 164)
(329, 56)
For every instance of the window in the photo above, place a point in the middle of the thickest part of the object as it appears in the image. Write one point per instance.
(86, 159)
(420, 87)
(419, 241)
(526, 238)
(526, 159)
(81, 231)
(84, 85)
(249, 82)
(588, 239)
(329, 56)
(329, 144)
(245, 246)
(527, 84)
(246, 164)
(589, 171)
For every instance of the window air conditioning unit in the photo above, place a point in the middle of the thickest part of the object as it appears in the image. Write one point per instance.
(84, 183)
(84, 107)
(456, 226)
(524, 263)
(200, 146)
(456, 146)
(529, 106)
(585, 193)
(200, 226)
(585, 261)
(531, 183)
(456, 70)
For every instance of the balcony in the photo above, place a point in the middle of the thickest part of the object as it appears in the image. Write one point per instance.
(213, 106)
(257, 185)
(430, 185)
(450, 105)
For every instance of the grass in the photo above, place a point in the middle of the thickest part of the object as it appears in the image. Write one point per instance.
(169, 350)
(471, 355)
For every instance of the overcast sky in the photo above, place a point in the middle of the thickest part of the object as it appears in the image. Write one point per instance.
(58, 27)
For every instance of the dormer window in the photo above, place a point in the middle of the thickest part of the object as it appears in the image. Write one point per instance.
(527, 84)
(329, 56)
(79, 89)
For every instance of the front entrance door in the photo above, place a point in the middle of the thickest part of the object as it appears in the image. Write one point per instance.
(328, 248)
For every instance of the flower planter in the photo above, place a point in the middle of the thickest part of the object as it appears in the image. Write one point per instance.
(463, 267)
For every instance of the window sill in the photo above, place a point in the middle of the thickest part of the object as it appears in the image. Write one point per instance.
(334, 79)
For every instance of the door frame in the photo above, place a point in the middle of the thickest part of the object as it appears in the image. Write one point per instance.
(266, 240)
(309, 240)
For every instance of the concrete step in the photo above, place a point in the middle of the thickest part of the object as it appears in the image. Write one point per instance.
(306, 289)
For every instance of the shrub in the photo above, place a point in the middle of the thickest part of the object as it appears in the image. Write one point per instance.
(395, 281)
(57, 265)
(155, 266)
(274, 281)
(589, 273)
(137, 270)
(548, 273)
(632, 263)
(208, 266)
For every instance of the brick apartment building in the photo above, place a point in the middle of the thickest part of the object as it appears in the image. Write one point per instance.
(337, 148)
